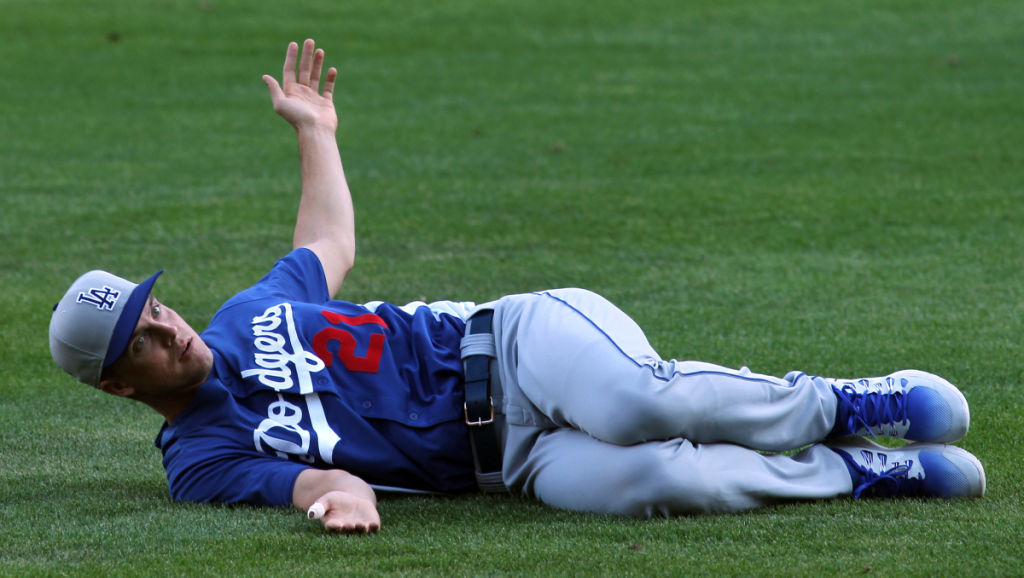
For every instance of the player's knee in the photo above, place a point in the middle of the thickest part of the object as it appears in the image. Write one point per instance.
(661, 488)
(628, 418)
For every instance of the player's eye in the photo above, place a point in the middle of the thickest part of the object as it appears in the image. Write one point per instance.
(138, 343)
(156, 310)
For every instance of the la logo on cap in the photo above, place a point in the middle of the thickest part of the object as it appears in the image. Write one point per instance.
(103, 298)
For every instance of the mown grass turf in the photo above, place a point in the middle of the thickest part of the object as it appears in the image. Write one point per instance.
(828, 186)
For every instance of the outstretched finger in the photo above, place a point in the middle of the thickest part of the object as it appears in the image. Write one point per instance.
(332, 75)
(318, 64)
(306, 61)
(288, 74)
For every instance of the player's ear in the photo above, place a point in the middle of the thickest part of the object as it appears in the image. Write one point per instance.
(116, 387)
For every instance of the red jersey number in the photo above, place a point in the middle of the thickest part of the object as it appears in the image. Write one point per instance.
(347, 345)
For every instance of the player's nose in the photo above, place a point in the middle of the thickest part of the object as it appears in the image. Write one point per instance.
(167, 333)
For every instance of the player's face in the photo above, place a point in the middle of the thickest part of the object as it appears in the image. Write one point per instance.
(164, 356)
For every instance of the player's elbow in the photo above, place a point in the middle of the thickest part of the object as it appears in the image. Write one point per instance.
(345, 254)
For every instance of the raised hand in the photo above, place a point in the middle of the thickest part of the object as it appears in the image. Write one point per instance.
(298, 99)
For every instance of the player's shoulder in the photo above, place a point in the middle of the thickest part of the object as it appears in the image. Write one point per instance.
(298, 276)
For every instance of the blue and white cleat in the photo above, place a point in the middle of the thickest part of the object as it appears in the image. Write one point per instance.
(920, 469)
(910, 404)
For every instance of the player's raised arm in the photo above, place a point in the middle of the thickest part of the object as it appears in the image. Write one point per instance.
(325, 222)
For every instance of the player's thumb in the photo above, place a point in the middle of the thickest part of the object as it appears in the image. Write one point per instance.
(275, 89)
(316, 511)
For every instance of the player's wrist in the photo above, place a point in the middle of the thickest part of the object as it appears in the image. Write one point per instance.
(316, 128)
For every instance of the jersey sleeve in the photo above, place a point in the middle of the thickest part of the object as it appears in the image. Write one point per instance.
(207, 473)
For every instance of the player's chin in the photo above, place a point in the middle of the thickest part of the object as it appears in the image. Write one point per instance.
(195, 371)
(200, 358)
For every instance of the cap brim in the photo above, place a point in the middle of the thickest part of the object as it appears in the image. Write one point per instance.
(129, 319)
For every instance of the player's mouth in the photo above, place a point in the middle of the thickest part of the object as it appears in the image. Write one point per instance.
(185, 350)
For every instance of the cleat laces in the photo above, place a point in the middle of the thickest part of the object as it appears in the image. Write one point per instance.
(884, 405)
(890, 482)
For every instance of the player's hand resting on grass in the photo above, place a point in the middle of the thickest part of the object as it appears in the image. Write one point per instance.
(342, 502)
(348, 514)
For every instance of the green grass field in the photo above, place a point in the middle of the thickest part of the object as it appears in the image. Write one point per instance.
(819, 185)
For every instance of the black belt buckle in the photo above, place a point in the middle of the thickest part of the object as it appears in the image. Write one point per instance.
(479, 421)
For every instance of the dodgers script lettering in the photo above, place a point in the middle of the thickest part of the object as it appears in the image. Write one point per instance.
(281, 364)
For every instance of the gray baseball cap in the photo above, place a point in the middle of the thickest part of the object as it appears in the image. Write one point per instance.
(92, 324)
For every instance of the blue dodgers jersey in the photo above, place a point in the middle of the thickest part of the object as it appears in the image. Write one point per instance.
(300, 380)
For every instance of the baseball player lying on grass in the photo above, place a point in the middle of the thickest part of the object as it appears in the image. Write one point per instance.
(292, 397)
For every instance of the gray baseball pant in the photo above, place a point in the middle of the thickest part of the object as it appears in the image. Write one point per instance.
(597, 421)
